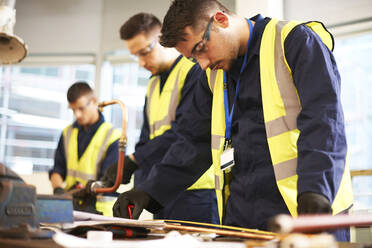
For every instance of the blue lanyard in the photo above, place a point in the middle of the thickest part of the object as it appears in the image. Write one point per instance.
(228, 116)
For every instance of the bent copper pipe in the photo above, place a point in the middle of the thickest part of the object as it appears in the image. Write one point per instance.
(122, 145)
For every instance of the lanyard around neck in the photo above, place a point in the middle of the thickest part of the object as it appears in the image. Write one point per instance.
(228, 116)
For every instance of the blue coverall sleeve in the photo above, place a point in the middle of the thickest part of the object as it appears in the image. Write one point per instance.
(149, 152)
(322, 144)
(111, 157)
(59, 160)
(190, 155)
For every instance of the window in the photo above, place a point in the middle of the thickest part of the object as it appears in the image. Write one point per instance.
(353, 59)
(128, 84)
(33, 112)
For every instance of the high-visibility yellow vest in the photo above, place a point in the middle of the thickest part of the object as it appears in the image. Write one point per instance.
(161, 109)
(281, 106)
(88, 166)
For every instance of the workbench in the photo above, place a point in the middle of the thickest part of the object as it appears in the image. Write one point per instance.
(49, 243)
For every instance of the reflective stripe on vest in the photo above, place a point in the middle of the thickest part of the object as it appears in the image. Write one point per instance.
(158, 127)
(161, 109)
(281, 107)
(215, 80)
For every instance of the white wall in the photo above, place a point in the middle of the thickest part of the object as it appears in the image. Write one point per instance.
(116, 12)
(53, 26)
(249, 8)
(80, 26)
(91, 26)
(330, 12)
(77, 26)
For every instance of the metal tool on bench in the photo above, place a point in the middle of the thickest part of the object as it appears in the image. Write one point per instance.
(22, 211)
(17, 200)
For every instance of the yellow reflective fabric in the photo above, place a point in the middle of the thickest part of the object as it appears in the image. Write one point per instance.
(161, 107)
(270, 90)
(326, 37)
(280, 153)
(87, 167)
(287, 188)
(344, 196)
(218, 133)
(283, 146)
(159, 118)
(105, 204)
(161, 110)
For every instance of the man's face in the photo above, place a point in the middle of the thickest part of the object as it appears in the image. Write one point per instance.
(84, 109)
(147, 49)
(215, 50)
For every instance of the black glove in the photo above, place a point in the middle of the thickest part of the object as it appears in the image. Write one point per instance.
(58, 191)
(85, 200)
(109, 176)
(140, 199)
(313, 203)
(82, 191)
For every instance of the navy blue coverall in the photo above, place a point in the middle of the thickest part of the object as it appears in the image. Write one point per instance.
(254, 196)
(193, 205)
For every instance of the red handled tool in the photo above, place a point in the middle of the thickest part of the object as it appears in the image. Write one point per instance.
(130, 209)
(120, 232)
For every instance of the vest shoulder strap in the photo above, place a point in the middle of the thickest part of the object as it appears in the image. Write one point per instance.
(66, 138)
(213, 76)
(151, 86)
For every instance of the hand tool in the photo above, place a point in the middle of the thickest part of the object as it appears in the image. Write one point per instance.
(121, 232)
(130, 209)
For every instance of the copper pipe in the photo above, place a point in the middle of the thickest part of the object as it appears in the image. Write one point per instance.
(122, 146)
(354, 173)
(313, 223)
(229, 233)
(124, 116)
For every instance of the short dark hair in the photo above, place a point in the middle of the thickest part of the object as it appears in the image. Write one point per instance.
(183, 13)
(77, 90)
(141, 22)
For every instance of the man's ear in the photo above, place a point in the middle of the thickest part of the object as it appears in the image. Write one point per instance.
(221, 19)
(94, 100)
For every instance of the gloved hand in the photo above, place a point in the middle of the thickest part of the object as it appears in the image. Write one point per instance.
(140, 199)
(109, 176)
(313, 203)
(84, 190)
(58, 191)
(85, 200)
